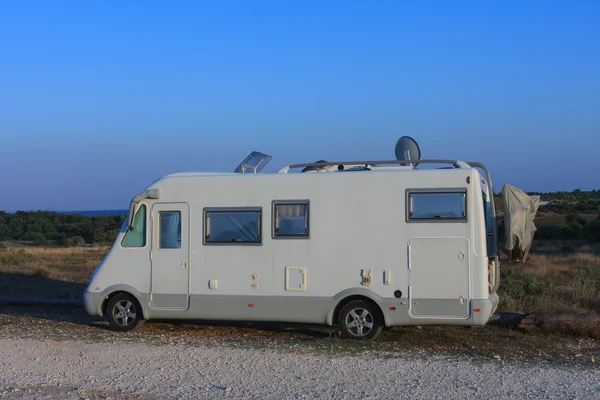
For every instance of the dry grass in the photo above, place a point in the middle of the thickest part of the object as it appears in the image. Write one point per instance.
(47, 272)
(65, 264)
(557, 278)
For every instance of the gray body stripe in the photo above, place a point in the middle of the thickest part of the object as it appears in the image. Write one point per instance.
(294, 309)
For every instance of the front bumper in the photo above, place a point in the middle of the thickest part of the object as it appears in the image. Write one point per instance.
(91, 303)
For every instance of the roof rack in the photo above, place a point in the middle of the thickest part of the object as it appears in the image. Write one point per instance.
(455, 163)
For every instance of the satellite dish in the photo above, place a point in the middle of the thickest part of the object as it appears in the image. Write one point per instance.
(407, 149)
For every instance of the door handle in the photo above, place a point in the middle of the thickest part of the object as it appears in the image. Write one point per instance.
(184, 265)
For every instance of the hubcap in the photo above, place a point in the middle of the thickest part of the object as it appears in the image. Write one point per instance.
(124, 312)
(359, 322)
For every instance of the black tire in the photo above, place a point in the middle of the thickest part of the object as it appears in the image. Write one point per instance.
(124, 313)
(359, 320)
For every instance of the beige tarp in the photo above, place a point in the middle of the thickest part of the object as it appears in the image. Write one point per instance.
(519, 213)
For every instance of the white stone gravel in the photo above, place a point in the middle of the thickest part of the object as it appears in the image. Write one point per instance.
(79, 369)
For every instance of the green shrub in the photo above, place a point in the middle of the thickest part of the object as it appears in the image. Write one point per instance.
(571, 218)
(506, 302)
(74, 241)
(506, 273)
(587, 288)
(529, 285)
(39, 239)
(592, 230)
(544, 286)
(513, 289)
(28, 236)
(549, 232)
(567, 248)
(571, 232)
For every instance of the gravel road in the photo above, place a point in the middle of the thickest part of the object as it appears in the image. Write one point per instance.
(50, 358)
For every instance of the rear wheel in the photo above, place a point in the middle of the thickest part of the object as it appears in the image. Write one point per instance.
(124, 313)
(359, 320)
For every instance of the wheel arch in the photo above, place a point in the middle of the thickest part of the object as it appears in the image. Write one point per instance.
(347, 298)
(116, 292)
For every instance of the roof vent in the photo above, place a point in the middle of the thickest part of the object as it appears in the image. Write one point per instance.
(254, 163)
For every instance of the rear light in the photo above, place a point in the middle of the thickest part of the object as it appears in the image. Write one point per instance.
(490, 277)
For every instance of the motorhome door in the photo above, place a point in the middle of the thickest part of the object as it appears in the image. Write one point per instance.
(438, 249)
(170, 258)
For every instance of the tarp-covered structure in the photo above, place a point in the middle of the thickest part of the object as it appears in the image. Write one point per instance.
(519, 212)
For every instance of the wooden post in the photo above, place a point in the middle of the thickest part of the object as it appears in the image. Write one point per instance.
(528, 248)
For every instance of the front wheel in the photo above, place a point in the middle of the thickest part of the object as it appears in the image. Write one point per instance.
(359, 320)
(124, 313)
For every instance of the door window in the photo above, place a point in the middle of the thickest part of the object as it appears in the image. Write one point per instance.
(169, 223)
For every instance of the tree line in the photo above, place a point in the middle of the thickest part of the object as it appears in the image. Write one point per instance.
(48, 227)
(573, 202)
(581, 210)
(52, 228)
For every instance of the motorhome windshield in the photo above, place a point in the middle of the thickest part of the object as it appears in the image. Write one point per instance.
(135, 235)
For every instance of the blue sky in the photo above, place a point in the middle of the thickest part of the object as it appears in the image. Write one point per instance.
(99, 99)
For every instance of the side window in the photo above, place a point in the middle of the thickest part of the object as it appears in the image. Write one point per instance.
(232, 226)
(437, 206)
(169, 225)
(487, 209)
(290, 219)
(136, 237)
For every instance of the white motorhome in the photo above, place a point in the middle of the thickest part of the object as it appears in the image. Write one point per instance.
(359, 248)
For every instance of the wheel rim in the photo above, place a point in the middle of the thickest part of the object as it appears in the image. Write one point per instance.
(124, 313)
(359, 322)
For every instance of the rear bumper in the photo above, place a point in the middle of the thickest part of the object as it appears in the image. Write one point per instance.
(486, 308)
(397, 313)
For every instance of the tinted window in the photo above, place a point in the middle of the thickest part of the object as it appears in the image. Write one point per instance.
(489, 225)
(169, 223)
(437, 206)
(239, 226)
(290, 219)
(136, 237)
